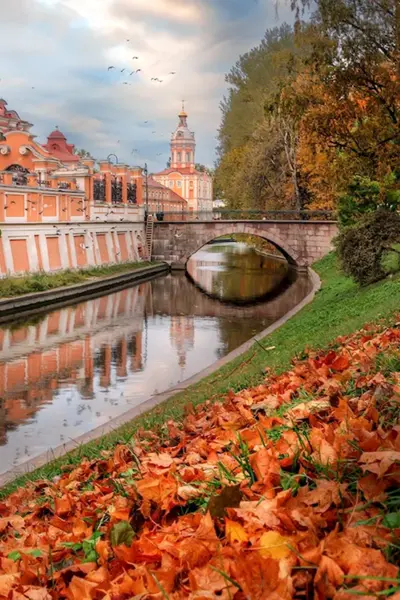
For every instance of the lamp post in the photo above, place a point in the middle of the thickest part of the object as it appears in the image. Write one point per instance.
(146, 174)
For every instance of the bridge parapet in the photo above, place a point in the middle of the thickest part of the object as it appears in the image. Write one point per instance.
(245, 215)
(301, 242)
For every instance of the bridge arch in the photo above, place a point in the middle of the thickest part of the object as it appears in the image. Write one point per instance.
(286, 249)
(301, 242)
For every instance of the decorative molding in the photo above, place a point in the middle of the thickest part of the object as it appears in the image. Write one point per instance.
(4, 150)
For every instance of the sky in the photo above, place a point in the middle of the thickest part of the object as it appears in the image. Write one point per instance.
(56, 53)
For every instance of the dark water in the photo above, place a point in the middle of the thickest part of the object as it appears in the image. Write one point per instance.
(71, 370)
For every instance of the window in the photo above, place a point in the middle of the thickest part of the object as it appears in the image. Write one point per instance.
(187, 156)
(179, 184)
(171, 183)
(179, 156)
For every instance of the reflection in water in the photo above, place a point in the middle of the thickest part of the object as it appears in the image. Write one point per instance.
(233, 272)
(73, 369)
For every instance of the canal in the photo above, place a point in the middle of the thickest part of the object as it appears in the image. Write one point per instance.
(70, 370)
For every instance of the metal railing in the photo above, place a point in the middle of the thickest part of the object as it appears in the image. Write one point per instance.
(245, 215)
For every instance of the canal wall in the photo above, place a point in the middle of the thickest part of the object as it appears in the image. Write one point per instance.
(31, 304)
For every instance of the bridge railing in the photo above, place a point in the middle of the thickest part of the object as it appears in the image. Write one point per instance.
(244, 215)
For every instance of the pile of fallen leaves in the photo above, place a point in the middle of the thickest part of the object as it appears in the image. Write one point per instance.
(286, 490)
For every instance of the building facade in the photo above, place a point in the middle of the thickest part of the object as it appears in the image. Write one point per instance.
(55, 210)
(163, 199)
(182, 177)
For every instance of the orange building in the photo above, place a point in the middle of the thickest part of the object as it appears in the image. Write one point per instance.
(47, 193)
(163, 199)
(10, 119)
(196, 187)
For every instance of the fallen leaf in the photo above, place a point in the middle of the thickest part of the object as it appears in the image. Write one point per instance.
(230, 496)
(235, 532)
(274, 545)
(122, 533)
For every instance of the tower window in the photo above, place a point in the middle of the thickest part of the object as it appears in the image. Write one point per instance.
(187, 156)
(179, 156)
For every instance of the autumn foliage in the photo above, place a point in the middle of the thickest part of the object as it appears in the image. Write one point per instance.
(286, 490)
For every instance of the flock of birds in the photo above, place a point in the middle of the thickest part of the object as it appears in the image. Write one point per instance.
(136, 71)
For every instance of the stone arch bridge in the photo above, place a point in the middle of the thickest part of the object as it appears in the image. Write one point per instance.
(301, 242)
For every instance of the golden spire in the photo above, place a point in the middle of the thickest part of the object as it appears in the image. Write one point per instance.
(183, 113)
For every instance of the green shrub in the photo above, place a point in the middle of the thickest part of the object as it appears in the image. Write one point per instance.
(366, 250)
(366, 196)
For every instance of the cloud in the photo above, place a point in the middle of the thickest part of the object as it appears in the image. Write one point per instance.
(62, 49)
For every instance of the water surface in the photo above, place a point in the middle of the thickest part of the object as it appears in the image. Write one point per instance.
(70, 370)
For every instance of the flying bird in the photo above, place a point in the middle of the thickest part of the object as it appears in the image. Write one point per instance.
(138, 70)
(154, 132)
(109, 68)
(122, 70)
(135, 58)
(172, 73)
(146, 121)
(132, 73)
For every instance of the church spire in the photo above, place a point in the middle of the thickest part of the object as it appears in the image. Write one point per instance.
(183, 116)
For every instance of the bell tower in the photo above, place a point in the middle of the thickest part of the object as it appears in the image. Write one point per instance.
(183, 144)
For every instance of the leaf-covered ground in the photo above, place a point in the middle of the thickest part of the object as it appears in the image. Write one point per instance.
(286, 490)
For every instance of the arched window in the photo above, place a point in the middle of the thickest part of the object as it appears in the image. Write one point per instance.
(179, 156)
(187, 156)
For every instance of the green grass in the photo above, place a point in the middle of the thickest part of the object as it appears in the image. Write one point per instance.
(339, 308)
(40, 282)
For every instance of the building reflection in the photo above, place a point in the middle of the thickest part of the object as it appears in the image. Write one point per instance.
(72, 346)
(182, 337)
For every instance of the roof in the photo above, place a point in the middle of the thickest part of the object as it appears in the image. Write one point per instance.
(64, 156)
(153, 183)
(56, 134)
(181, 171)
(176, 197)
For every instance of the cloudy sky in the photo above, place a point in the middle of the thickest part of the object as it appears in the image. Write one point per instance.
(56, 53)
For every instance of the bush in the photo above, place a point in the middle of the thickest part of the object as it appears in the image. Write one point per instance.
(366, 196)
(366, 250)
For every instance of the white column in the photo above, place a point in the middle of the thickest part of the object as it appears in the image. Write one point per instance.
(73, 251)
(8, 259)
(64, 250)
(96, 249)
(43, 251)
(88, 240)
(32, 253)
(109, 243)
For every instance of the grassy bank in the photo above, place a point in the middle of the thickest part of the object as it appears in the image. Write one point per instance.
(40, 282)
(340, 307)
